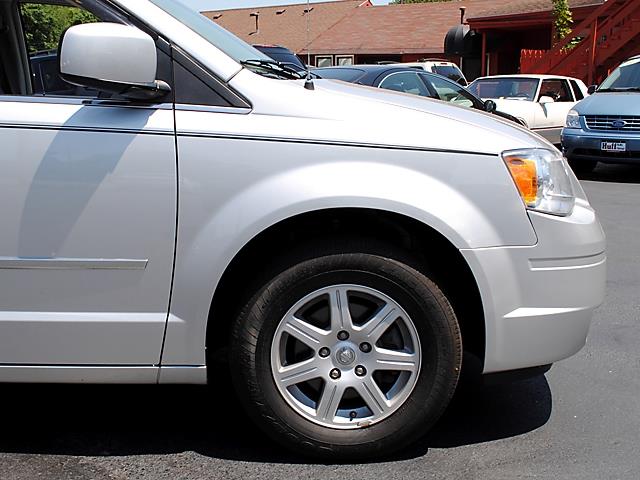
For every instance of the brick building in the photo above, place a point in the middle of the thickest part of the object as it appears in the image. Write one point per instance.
(483, 36)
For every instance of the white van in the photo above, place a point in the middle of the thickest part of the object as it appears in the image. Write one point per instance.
(440, 67)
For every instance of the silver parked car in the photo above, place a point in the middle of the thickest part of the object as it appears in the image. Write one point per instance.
(347, 246)
(605, 127)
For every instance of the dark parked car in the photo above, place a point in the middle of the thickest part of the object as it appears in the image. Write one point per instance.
(46, 75)
(46, 80)
(411, 80)
(282, 55)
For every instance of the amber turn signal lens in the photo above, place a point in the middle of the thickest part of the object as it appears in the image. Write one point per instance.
(542, 178)
(525, 175)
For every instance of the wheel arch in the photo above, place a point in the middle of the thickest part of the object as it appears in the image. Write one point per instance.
(448, 268)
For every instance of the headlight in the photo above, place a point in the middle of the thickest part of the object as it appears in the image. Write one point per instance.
(573, 119)
(542, 178)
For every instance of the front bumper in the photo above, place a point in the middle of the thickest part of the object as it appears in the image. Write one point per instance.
(579, 144)
(538, 300)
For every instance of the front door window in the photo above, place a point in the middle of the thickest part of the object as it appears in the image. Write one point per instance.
(43, 25)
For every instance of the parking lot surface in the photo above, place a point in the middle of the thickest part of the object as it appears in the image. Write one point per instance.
(579, 421)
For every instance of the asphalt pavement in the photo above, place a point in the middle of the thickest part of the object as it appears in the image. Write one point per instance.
(581, 420)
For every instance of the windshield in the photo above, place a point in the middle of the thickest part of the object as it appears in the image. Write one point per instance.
(210, 31)
(626, 76)
(512, 88)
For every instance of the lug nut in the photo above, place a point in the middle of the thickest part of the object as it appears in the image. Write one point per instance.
(324, 352)
(335, 373)
(365, 347)
(343, 335)
(360, 371)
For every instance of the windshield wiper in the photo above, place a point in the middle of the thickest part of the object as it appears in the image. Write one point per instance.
(619, 89)
(275, 68)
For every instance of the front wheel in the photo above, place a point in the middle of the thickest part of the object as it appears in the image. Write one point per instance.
(346, 355)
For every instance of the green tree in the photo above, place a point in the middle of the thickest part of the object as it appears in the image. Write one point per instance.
(45, 24)
(562, 19)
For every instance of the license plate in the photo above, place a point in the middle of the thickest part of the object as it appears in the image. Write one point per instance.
(613, 146)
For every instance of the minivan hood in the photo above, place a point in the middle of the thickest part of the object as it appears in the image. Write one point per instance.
(337, 111)
(609, 103)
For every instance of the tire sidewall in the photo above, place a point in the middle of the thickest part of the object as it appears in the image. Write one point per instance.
(432, 317)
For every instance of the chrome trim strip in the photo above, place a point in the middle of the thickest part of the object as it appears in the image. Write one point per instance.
(79, 374)
(538, 129)
(184, 107)
(78, 365)
(19, 126)
(83, 101)
(334, 143)
(21, 263)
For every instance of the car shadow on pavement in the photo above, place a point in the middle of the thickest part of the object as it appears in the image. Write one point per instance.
(613, 173)
(485, 414)
(106, 420)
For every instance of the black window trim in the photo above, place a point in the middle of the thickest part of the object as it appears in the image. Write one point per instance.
(192, 65)
(235, 100)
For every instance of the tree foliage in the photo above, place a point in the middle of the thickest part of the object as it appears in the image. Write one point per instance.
(45, 24)
(562, 19)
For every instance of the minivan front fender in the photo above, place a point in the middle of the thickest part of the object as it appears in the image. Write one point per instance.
(229, 197)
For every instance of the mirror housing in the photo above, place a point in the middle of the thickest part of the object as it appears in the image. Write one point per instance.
(113, 58)
(546, 99)
(592, 89)
(490, 106)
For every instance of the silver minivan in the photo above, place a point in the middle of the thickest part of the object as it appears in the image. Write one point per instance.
(184, 198)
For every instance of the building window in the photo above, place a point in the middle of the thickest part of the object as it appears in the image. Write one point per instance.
(344, 59)
(324, 61)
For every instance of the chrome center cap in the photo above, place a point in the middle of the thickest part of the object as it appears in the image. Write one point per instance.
(345, 355)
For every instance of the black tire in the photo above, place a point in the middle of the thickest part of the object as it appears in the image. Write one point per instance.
(583, 166)
(424, 302)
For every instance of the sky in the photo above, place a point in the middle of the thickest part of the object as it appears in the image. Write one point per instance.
(202, 5)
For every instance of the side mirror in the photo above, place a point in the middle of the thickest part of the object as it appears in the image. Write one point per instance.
(545, 99)
(592, 89)
(490, 106)
(113, 58)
